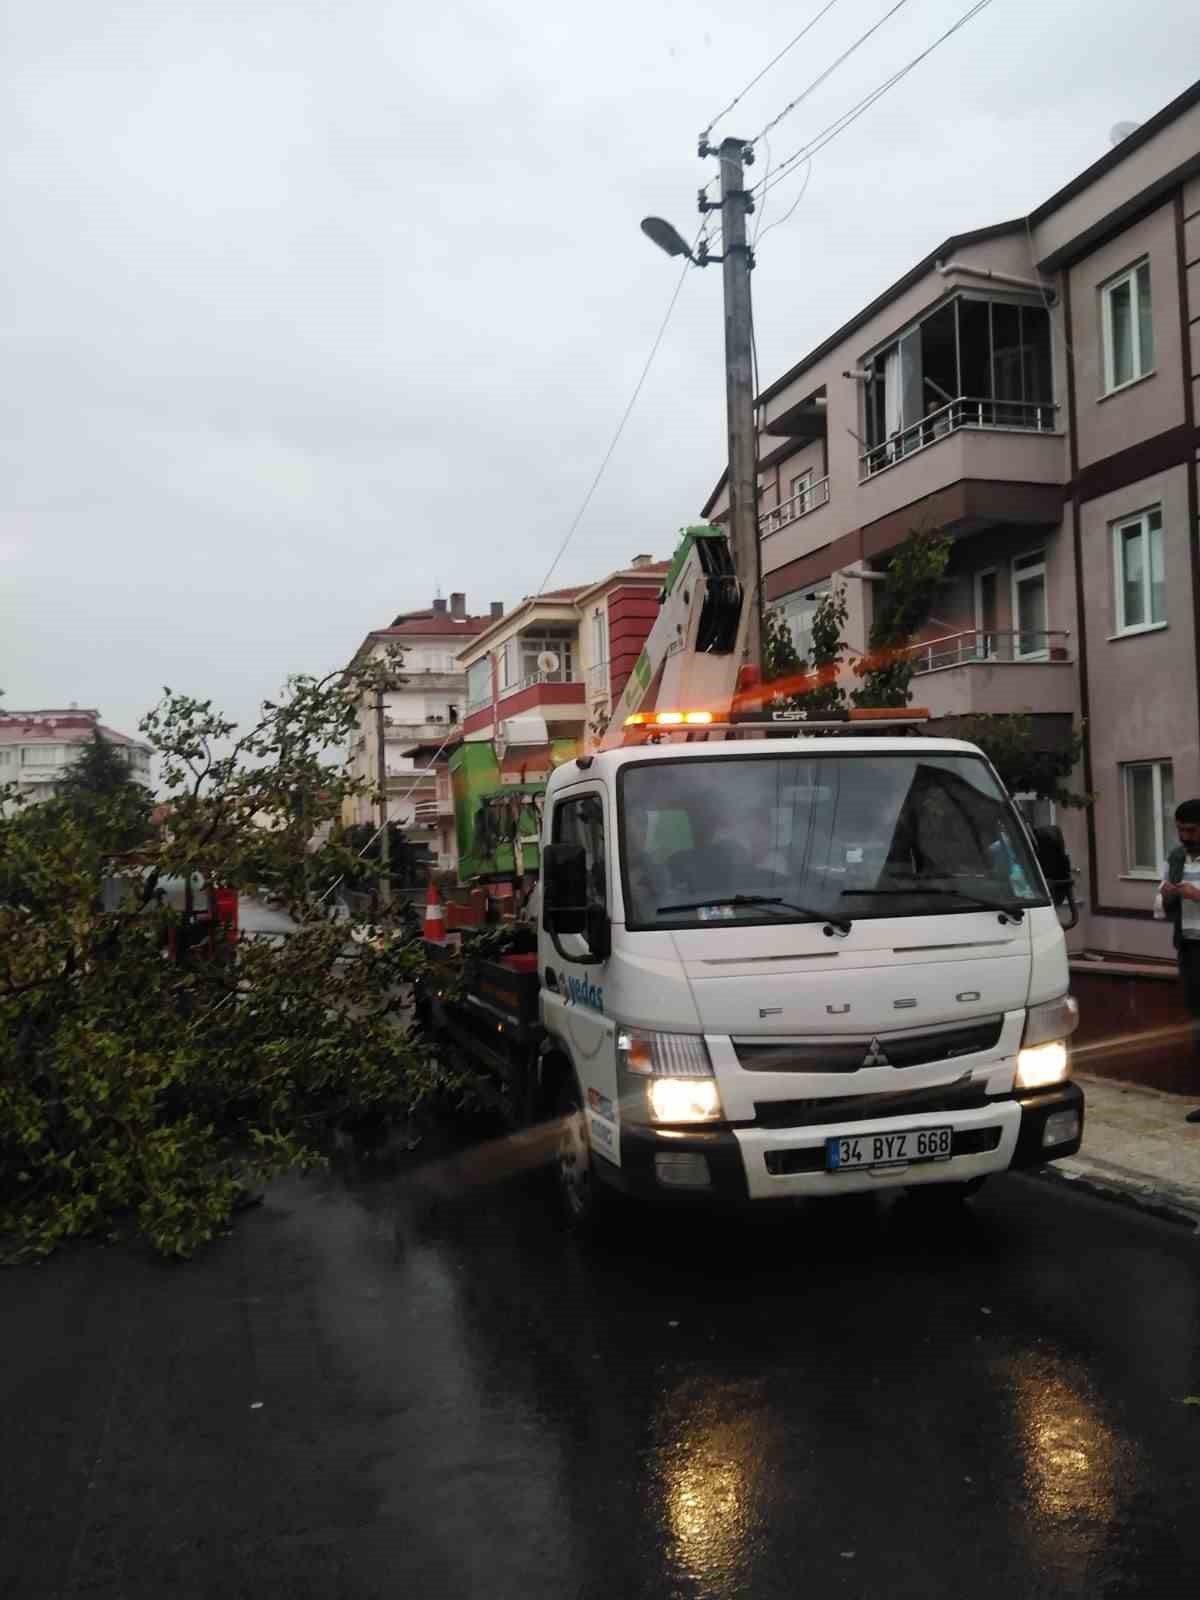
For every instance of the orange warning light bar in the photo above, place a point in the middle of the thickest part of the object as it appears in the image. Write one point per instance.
(669, 719)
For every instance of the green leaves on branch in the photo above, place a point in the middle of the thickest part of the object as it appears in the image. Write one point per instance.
(143, 1093)
(1025, 764)
(903, 606)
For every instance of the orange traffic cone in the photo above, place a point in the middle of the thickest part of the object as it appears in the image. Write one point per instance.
(435, 917)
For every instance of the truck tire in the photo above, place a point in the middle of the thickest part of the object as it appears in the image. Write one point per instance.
(587, 1202)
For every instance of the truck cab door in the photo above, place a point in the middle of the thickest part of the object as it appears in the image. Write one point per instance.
(574, 963)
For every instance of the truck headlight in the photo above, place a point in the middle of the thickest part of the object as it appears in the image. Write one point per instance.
(667, 1077)
(1042, 1058)
(685, 1100)
(1042, 1064)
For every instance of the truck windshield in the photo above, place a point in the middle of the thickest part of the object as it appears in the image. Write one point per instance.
(840, 835)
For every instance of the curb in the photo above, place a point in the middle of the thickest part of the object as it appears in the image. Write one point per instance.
(1152, 1202)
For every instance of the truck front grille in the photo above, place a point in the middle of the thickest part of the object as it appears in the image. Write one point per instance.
(965, 1095)
(848, 1055)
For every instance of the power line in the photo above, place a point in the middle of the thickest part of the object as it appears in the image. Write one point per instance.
(803, 191)
(774, 61)
(829, 70)
(767, 173)
(616, 438)
(841, 123)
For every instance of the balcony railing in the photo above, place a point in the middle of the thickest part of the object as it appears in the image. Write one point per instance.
(1003, 416)
(809, 499)
(982, 645)
(533, 678)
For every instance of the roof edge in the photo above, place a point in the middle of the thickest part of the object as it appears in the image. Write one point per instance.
(1112, 158)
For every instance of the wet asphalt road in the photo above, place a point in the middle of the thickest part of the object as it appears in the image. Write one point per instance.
(408, 1385)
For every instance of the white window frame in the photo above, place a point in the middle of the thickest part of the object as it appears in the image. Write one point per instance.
(1020, 574)
(795, 606)
(1161, 841)
(1141, 521)
(805, 481)
(981, 632)
(1128, 277)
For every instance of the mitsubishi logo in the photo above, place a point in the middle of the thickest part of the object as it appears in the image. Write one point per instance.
(875, 1056)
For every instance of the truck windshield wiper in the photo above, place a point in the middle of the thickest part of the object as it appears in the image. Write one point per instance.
(1012, 908)
(832, 918)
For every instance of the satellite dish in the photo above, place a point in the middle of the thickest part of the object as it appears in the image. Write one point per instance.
(1122, 130)
(547, 662)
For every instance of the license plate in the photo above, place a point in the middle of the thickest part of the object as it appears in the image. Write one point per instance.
(888, 1149)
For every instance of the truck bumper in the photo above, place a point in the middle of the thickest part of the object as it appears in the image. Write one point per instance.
(734, 1167)
(1051, 1125)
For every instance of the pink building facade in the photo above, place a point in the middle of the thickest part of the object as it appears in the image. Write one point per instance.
(1031, 388)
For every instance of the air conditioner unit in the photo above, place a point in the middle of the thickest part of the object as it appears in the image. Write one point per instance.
(523, 731)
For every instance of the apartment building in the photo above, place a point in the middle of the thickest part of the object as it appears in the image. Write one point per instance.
(1030, 388)
(555, 666)
(422, 720)
(37, 748)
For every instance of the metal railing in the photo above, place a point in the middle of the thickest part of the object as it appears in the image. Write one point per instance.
(1012, 416)
(984, 644)
(809, 499)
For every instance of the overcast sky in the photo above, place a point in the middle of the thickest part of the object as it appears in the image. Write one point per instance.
(313, 306)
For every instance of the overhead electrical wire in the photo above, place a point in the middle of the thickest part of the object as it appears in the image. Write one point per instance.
(779, 221)
(841, 123)
(829, 70)
(616, 438)
(774, 62)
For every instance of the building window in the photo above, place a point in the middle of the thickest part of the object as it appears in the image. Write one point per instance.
(534, 645)
(6, 758)
(1149, 811)
(973, 362)
(1030, 640)
(987, 601)
(798, 612)
(41, 755)
(479, 682)
(1128, 327)
(799, 495)
(1140, 572)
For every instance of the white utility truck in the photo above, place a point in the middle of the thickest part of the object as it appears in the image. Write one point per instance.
(783, 967)
(775, 959)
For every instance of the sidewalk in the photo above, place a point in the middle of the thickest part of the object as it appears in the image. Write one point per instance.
(1136, 1146)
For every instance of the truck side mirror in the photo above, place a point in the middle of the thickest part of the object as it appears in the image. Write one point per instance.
(1055, 863)
(564, 888)
(598, 932)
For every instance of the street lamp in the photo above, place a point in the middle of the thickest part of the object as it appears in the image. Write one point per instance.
(666, 237)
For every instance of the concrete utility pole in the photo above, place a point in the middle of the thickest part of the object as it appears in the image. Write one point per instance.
(739, 388)
(737, 260)
(385, 843)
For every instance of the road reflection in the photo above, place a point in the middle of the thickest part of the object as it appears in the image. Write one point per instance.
(708, 1468)
(1071, 1453)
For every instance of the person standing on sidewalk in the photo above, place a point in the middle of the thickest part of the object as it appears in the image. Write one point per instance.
(1179, 899)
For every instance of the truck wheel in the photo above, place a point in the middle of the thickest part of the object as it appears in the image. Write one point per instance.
(585, 1200)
